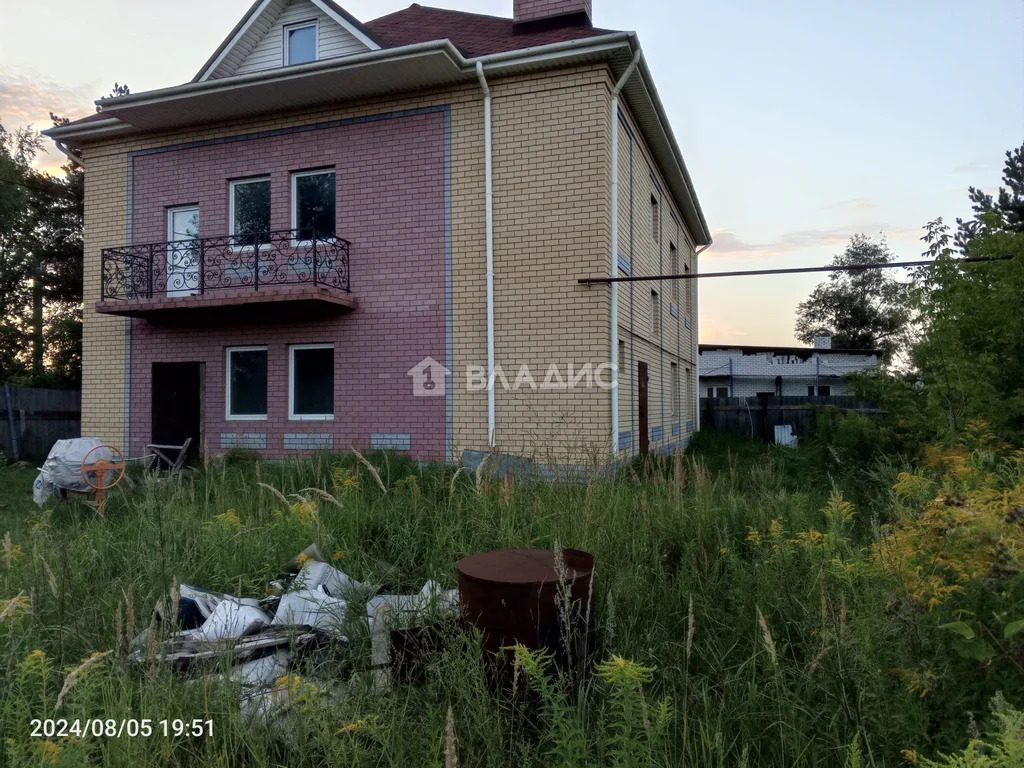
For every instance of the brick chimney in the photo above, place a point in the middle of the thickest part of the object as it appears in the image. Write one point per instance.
(551, 12)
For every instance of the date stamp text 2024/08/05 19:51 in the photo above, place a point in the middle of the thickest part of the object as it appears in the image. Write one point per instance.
(98, 727)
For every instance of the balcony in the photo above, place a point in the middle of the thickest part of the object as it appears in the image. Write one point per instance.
(288, 274)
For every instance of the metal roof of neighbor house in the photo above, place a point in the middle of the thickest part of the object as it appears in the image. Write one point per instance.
(474, 34)
(754, 350)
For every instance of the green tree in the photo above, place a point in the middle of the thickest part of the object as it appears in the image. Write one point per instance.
(970, 357)
(1007, 205)
(41, 220)
(860, 309)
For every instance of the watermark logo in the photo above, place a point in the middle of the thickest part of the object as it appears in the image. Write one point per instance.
(429, 378)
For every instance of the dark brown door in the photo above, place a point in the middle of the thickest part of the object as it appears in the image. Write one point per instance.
(178, 405)
(641, 374)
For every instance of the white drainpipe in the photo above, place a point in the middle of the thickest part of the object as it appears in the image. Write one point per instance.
(615, 246)
(489, 186)
(76, 159)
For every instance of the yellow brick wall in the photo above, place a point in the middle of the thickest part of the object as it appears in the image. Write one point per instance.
(650, 249)
(552, 226)
(103, 336)
(551, 171)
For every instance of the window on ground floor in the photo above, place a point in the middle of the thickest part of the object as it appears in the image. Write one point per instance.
(311, 382)
(674, 381)
(723, 392)
(824, 391)
(246, 383)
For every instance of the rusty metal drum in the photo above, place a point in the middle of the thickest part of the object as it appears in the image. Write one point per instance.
(513, 596)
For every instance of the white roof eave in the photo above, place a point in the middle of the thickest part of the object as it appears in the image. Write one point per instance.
(391, 70)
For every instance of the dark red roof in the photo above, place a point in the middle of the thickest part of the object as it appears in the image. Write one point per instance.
(473, 33)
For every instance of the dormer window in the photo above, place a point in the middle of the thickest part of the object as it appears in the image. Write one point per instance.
(300, 44)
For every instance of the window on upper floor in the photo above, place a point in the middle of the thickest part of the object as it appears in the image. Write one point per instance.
(300, 43)
(689, 289)
(313, 204)
(246, 383)
(673, 259)
(311, 382)
(655, 218)
(250, 211)
(655, 314)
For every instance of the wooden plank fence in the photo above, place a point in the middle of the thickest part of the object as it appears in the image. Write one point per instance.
(758, 416)
(32, 420)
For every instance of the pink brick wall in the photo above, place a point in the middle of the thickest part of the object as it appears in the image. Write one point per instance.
(391, 206)
(533, 10)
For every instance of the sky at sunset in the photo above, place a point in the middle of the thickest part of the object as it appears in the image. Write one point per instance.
(801, 122)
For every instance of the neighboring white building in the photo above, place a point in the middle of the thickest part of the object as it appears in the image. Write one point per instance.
(732, 370)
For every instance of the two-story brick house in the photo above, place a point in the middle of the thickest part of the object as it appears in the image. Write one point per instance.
(338, 232)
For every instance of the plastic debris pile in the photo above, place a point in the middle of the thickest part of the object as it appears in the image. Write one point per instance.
(310, 609)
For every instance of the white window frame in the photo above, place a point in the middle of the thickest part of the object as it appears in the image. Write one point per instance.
(296, 175)
(231, 210)
(285, 43)
(228, 416)
(292, 416)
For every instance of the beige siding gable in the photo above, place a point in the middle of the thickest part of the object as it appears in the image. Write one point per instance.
(261, 46)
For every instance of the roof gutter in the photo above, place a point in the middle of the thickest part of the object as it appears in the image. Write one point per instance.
(279, 74)
(76, 159)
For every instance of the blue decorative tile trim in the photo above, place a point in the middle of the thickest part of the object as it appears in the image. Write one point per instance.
(657, 433)
(391, 441)
(623, 263)
(673, 310)
(304, 442)
(253, 441)
(677, 429)
(625, 440)
(689, 426)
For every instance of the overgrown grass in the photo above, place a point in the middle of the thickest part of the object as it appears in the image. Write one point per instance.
(770, 645)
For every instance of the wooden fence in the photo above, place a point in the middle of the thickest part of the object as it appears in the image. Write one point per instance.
(32, 420)
(758, 416)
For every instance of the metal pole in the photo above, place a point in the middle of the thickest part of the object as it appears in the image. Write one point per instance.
(10, 422)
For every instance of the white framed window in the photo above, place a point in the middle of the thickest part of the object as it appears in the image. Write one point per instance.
(314, 204)
(655, 314)
(311, 382)
(301, 44)
(246, 384)
(250, 212)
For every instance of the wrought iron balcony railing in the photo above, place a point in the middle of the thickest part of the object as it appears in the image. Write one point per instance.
(189, 267)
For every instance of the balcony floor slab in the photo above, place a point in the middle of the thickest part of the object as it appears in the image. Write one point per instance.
(279, 302)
